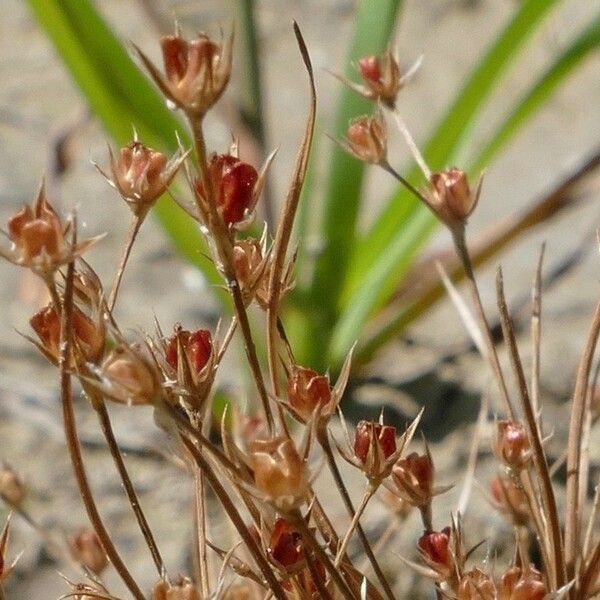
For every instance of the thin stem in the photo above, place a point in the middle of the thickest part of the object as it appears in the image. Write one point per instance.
(309, 538)
(286, 222)
(74, 447)
(323, 439)
(407, 184)
(201, 530)
(355, 520)
(539, 458)
(134, 228)
(573, 514)
(414, 149)
(236, 518)
(2, 596)
(107, 430)
(221, 237)
(316, 577)
(458, 237)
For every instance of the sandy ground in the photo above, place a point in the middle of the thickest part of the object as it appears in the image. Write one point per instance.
(37, 103)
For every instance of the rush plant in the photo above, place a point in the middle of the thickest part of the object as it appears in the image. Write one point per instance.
(262, 466)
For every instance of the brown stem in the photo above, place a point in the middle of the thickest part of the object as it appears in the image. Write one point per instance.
(74, 447)
(236, 518)
(458, 237)
(115, 452)
(323, 439)
(355, 521)
(316, 577)
(201, 531)
(574, 447)
(307, 535)
(539, 457)
(288, 214)
(221, 237)
(134, 228)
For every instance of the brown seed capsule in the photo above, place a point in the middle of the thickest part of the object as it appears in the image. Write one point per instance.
(366, 139)
(516, 584)
(510, 500)
(369, 433)
(451, 196)
(413, 475)
(89, 336)
(86, 549)
(307, 391)
(141, 175)
(196, 345)
(184, 589)
(128, 377)
(38, 238)
(196, 72)
(511, 445)
(233, 184)
(285, 544)
(476, 585)
(435, 548)
(12, 488)
(251, 270)
(381, 76)
(279, 472)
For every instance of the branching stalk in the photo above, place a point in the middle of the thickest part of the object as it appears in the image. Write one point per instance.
(323, 440)
(74, 447)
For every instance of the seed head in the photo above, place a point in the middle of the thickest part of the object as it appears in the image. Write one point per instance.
(279, 472)
(234, 187)
(184, 589)
(451, 196)
(413, 476)
(141, 175)
(373, 438)
(366, 139)
(86, 549)
(512, 445)
(476, 585)
(510, 500)
(12, 488)
(196, 72)
(307, 391)
(516, 584)
(381, 77)
(435, 550)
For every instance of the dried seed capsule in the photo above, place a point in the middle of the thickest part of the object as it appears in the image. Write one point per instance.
(511, 445)
(285, 544)
(435, 550)
(510, 500)
(413, 475)
(372, 437)
(279, 472)
(184, 589)
(12, 488)
(366, 139)
(451, 195)
(86, 549)
(233, 183)
(196, 72)
(476, 585)
(307, 391)
(197, 347)
(381, 76)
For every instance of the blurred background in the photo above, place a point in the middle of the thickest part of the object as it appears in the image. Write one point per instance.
(40, 108)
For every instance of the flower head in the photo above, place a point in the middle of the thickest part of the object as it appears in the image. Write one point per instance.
(451, 196)
(511, 445)
(366, 139)
(39, 239)
(309, 391)
(234, 184)
(279, 472)
(196, 72)
(141, 175)
(381, 77)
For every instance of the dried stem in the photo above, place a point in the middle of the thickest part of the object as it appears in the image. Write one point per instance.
(111, 442)
(286, 222)
(134, 229)
(236, 518)
(221, 237)
(309, 538)
(323, 440)
(200, 506)
(573, 512)
(539, 458)
(536, 333)
(355, 520)
(458, 237)
(74, 447)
